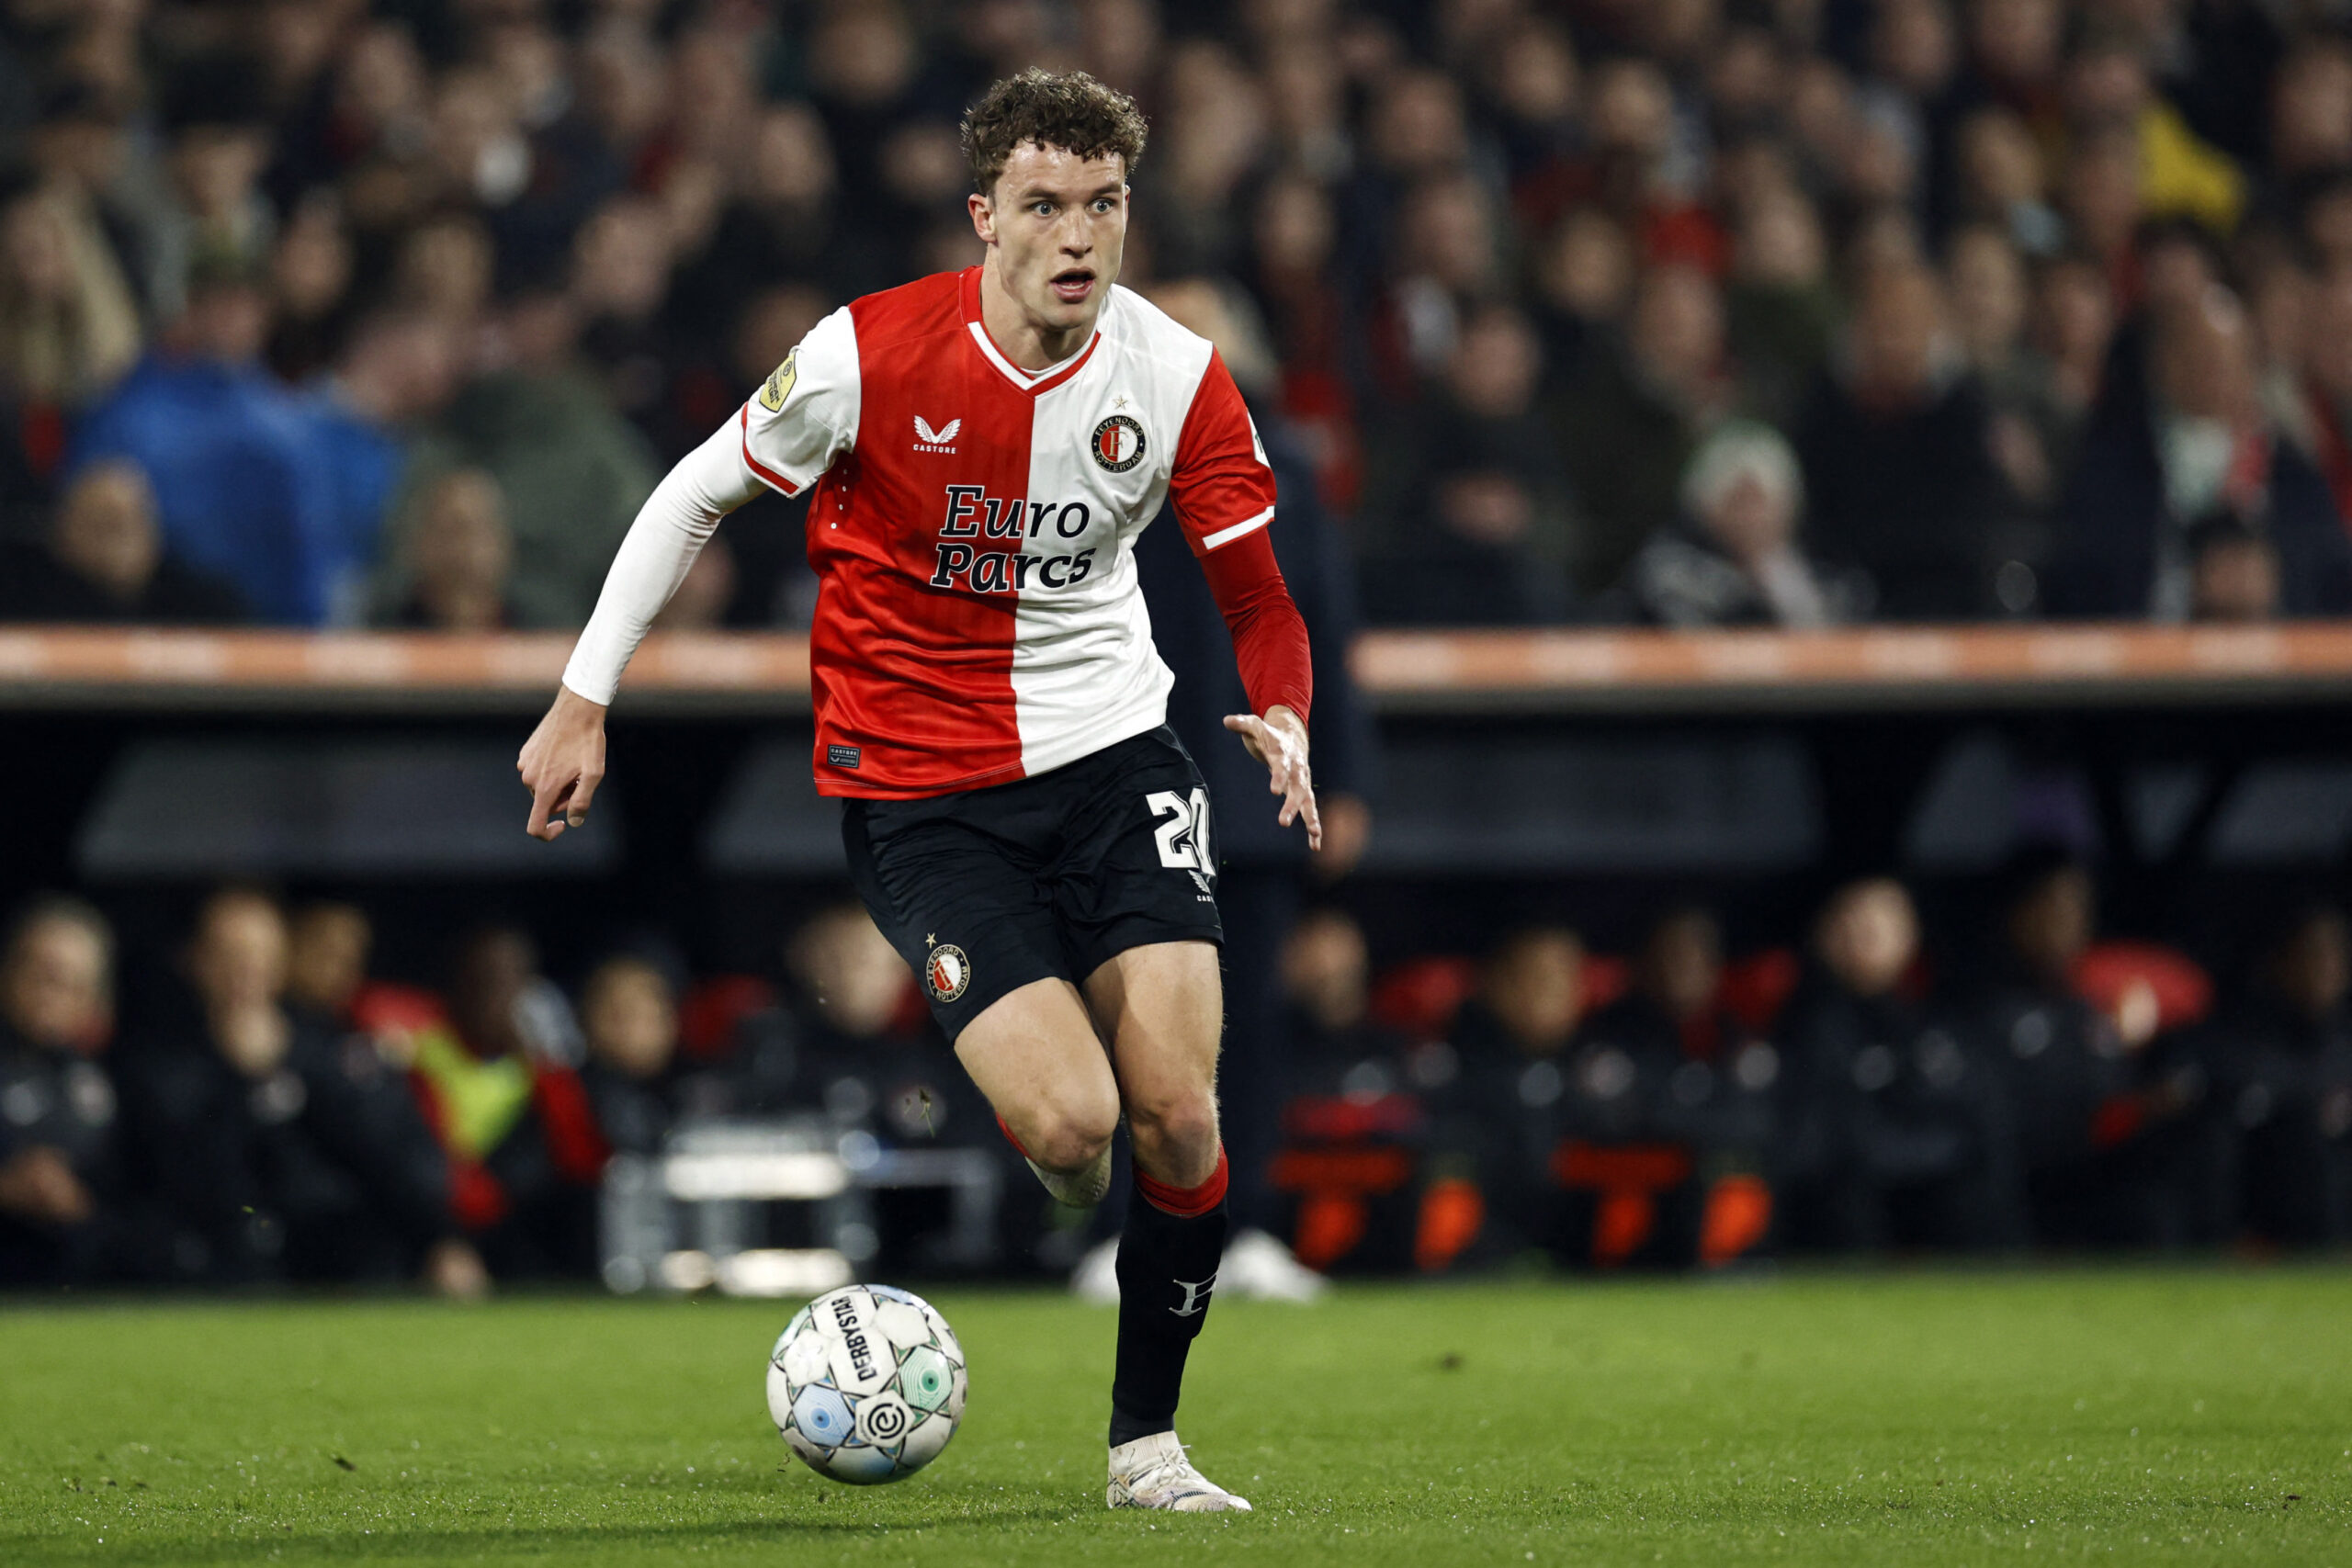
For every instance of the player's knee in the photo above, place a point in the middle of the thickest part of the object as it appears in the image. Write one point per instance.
(1071, 1135)
(1180, 1121)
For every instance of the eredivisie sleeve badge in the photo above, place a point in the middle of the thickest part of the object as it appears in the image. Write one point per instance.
(779, 383)
(1118, 444)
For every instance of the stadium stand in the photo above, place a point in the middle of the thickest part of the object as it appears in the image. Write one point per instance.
(1847, 500)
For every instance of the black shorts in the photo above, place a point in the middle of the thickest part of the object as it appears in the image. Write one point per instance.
(986, 890)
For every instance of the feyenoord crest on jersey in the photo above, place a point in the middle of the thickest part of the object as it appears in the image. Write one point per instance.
(947, 971)
(1118, 444)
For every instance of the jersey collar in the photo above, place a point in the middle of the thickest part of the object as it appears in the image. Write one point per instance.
(1031, 383)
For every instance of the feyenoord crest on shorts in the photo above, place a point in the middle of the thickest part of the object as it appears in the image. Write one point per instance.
(975, 519)
(947, 971)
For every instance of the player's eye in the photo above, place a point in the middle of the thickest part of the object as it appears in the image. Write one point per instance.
(1043, 209)
(1102, 204)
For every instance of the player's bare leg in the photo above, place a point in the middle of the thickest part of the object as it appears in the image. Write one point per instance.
(1036, 1056)
(1162, 1007)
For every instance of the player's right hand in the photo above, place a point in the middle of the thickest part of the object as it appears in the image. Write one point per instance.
(561, 764)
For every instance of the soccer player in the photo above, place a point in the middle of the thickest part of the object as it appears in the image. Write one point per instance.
(982, 448)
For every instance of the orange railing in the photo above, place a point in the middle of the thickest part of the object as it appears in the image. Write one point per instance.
(1882, 667)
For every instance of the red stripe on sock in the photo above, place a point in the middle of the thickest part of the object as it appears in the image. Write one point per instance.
(1009, 1138)
(1185, 1202)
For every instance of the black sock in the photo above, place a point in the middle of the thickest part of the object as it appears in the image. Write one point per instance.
(1167, 1270)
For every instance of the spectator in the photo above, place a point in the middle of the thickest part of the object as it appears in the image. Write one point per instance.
(2096, 1129)
(1447, 256)
(59, 1163)
(1712, 1082)
(1629, 425)
(81, 153)
(1730, 557)
(1584, 275)
(104, 560)
(871, 1069)
(1897, 1132)
(310, 277)
(2189, 442)
(2281, 1065)
(1327, 987)
(2108, 83)
(1780, 311)
(2233, 572)
(620, 275)
(1986, 280)
(244, 487)
(462, 557)
(326, 961)
(2310, 111)
(2319, 399)
(572, 471)
(629, 1016)
(1295, 238)
(69, 326)
(216, 214)
(2072, 329)
(277, 1150)
(1470, 509)
(502, 1095)
(2002, 182)
(781, 227)
(2101, 200)
(1524, 1082)
(399, 371)
(1898, 459)
(444, 271)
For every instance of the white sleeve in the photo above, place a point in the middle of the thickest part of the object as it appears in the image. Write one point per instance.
(787, 434)
(806, 415)
(670, 531)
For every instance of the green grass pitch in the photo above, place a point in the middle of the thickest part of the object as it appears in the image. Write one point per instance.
(2122, 1415)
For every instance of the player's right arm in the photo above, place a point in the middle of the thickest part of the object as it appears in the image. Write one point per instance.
(786, 435)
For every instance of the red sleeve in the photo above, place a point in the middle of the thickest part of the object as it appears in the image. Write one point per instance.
(1223, 491)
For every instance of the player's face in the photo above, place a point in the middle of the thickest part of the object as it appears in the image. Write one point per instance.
(1059, 225)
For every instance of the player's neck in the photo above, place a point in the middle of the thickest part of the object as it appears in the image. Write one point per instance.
(1029, 343)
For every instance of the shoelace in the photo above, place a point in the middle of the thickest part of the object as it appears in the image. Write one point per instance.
(1181, 1467)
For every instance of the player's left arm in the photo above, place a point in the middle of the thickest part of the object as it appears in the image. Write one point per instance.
(1223, 490)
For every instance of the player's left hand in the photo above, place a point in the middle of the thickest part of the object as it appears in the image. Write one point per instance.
(1279, 740)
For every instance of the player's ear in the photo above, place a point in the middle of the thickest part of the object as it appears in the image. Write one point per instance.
(983, 212)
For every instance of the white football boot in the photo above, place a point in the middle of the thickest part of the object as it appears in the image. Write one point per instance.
(1079, 1188)
(1152, 1472)
(1095, 1280)
(1257, 1267)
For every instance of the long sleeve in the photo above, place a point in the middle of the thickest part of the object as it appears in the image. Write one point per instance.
(670, 529)
(1269, 636)
(1222, 493)
(788, 433)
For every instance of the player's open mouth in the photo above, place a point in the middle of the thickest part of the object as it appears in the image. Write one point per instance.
(1073, 285)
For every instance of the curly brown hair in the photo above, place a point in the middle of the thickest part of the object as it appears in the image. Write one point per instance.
(1070, 110)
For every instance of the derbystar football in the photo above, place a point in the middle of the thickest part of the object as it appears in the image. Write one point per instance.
(867, 1383)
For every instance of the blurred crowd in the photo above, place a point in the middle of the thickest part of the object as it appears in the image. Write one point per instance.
(2023, 1086)
(1680, 312)
(257, 1106)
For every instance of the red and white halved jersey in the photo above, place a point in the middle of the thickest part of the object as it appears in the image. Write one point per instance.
(977, 616)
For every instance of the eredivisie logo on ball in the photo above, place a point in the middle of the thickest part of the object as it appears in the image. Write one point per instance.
(947, 971)
(1118, 444)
